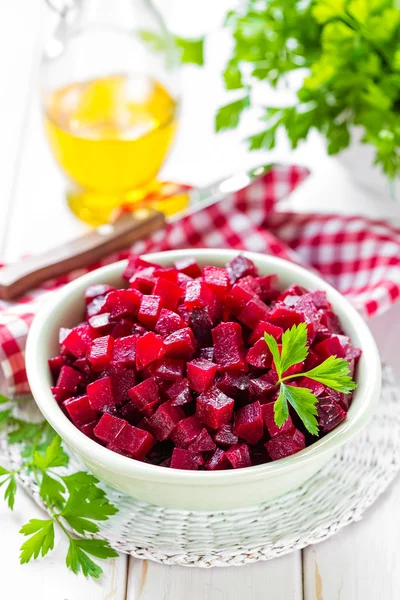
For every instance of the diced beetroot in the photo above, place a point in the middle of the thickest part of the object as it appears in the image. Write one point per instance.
(250, 284)
(184, 313)
(130, 413)
(170, 369)
(85, 368)
(123, 302)
(217, 279)
(352, 353)
(269, 286)
(168, 322)
(254, 312)
(149, 348)
(320, 300)
(259, 355)
(95, 290)
(225, 437)
(186, 432)
(218, 461)
(180, 344)
(164, 420)
(207, 353)
(123, 328)
(330, 414)
(200, 373)
(311, 316)
(229, 351)
(265, 327)
(331, 321)
(135, 442)
(188, 266)
(170, 273)
(185, 459)
(284, 317)
(96, 307)
(80, 411)
(101, 352)
(122, 381)
(150, 307)
(261, 387)
(124, 351)
(143, 281)
(330, 347)
(88, 429)
(101, 323)
(145, 396)
(236, 299)
(77, 341)
(203, 442)
(239, 456)
(108, 428)
(249, 423)
(285, 444)
(198, 294)
(234, 385)
(168, 292)
(55, 365)
(202, 324)
(101, 394)
(316, 387)
(239, 267)
(135, 263)
(293, 290)
(214, 408)
(68, 381)
(179, 393)
(269, 420)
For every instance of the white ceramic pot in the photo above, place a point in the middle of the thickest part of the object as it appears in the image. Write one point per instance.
(199, 490)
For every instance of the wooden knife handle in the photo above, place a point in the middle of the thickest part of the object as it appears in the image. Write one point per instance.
(80, 252)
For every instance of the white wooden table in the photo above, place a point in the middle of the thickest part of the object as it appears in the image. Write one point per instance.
(360, 563)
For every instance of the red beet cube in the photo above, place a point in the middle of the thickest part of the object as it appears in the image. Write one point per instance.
(68, 381)
(133, 441)
(250, 284)
(200, 373)
(233, 384)
(236, 299)
(316, 387)
(168, 322)
(180, 344)
(185, 459)
(100, 323)
(261, 387)
(77, 341)
(214, 408)
(122, 381)
(265, 327)
(143, 281)
(149, 348)
(179, 393)
(136, 263)
(203, 442)
(269, 286)
(330, 347)
(101, 394)
(202, 324)
(124, 328)
(229, 347)
(254, 312)
(225, 437)
(198, 294)
(171, 274)
(168, 292)
(241, 266)
(96, 307)
(239, 456)
(169, 369)
(285, 317)
(149, 310)
(55, 365)
(108, 428)
(88, 429)
(186, 432)
(217, 461)
(164, 420)
(79, 410)
(259, 355)
(101, 352)
(217, 279)
(145, 396)
(95, 290)
(249, 423)
(269, 420)
(124, 351)
(123, 302)
(293, 290)
(188, 266)
(330, 414)
(285, 444)
(129, 413)
(320, 300)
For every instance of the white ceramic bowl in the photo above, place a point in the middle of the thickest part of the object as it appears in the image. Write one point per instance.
(199, 490)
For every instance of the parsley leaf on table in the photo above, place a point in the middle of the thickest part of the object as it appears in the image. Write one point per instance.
(41, 540)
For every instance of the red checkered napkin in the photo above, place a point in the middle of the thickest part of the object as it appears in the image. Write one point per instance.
(361, 258)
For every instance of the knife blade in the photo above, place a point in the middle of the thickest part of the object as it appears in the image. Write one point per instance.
(126, 228)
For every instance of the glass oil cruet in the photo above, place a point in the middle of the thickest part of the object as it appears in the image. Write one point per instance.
(110, 90)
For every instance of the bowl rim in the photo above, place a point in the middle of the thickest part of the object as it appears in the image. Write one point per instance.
(38, 374)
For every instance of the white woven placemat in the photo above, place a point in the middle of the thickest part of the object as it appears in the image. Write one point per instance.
(338, 495)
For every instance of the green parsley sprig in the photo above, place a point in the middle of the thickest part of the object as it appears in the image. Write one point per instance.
(74, 502)
(334, 373)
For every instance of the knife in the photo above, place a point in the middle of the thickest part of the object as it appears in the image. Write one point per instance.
(127, 228)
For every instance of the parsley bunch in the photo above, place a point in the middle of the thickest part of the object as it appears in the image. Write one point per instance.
(74, 502)
(334, 373)
(350, 53)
